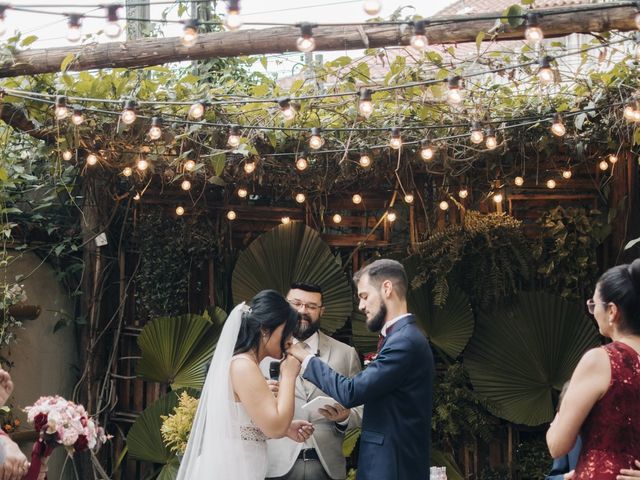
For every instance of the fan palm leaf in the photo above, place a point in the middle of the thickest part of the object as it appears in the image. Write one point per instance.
(364, 340)
(176, 350)
(521, 352)
(294, 253)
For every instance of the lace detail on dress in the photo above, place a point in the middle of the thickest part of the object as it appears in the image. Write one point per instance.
(251, 433)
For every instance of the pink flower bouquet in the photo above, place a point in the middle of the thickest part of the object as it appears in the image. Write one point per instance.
(60, 422)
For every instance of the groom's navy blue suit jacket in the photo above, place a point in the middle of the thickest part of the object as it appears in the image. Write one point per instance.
(396, 390)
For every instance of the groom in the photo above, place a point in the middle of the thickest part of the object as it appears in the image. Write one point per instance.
(396, 388)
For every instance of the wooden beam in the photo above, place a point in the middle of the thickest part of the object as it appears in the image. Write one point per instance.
(146, 52)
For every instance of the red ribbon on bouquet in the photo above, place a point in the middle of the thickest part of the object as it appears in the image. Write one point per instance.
(41, 448)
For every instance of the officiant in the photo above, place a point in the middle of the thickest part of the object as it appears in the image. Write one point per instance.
(320, 457)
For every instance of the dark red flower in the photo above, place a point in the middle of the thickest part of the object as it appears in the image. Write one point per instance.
(40, 421)
(81, 443)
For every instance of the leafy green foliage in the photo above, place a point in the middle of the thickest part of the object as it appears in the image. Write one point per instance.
(532, 457)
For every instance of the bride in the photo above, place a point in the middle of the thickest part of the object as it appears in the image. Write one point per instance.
(237, 412)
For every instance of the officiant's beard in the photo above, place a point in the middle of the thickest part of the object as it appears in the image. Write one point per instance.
(305, 331)
(377, 321)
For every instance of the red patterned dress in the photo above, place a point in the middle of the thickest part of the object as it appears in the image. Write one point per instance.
(611, 431)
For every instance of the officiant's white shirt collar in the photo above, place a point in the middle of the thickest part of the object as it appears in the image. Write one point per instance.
(313, 341)
(386, 326)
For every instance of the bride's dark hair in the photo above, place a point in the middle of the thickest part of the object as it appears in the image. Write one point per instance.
(268, 310)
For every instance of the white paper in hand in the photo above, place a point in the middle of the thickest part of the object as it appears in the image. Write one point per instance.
(318, 403)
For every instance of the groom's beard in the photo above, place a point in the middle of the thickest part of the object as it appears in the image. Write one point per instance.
(377, 321)
(308, 329)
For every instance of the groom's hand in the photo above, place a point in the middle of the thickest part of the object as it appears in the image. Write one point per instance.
(298, 352)
(626, 474)
(335, 412)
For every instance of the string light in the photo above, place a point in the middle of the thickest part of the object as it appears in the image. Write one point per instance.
(396, 140)
(189, 33)
(462, 193)
(391, 216)
(234, 136)
(185, 185)
(137, 197)
(545, 74)
(454, 95)
(444, 205)
(604, 165)
(476, 132)
(179, 211)
(249, 167)
(128, 115)
(288, 112)
(558, 128)
(491, 142)
(372, 7)
(316, 141)
(408, 198)
(337, 218)
(285, 220)
(189, 165)
(127, 171)
(61, 110)
(77, 118)
(426, 151)
(302, 164)
(92, 159)
(196, 110)
(365, 106)
(630, 111)
(533, 33)
(365, 161)
(3, 25)
(566, 174)
(300, 198)
(497, 198)
(551, 183)
(242, 192)
(636, 19)
(613, 159)
(155, 132)
(357, 199)
(231, 215)
(112, 29)
(419, 38)
(305, 42)
(142, 164)
(519, 181)
(74, 33)
(67, 155)
(233, 20)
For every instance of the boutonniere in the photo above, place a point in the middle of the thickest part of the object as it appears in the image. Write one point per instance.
(369, 357)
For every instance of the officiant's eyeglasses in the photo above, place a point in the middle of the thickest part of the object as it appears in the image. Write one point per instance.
(312, 307)
(591, 305)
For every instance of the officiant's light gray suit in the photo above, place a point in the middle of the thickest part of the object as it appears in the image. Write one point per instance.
(327, 437)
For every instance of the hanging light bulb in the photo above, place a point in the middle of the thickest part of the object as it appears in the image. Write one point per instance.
(61, 110)
(189, 165)
(463, 193)
(408, 198)
(372, 7)
(491, 142)
(128, 115)
(92, 159)
(155, 132)
(189, 33)
(357, 199)
(497, 198)
(233, 20)
(242, 192)
(67, 155)
(127, 171)
(288, 112)
(365, 106)
(392, 216)
(545, 74)
(630, 110)
(305, 42)
(74, 33)
(3, 25)
(519, 181)
(476, 132)
(112, 29)
(249, 167)
(337, 218)
(426, 151)
(533, 33)
(454, 95)
(231, 215)
(558, 128)
(185, 185)
(419, 38)
(285, 220)
(300, 198)
(302, 164)
(365, 161)
(551, 183)
(316, 141)
(444, 205)
(179, 211)
(604, 165)
(566, 174)
(77, 118)
(142, 164)
(196, 110)
(396, 140)
(234, 136)
(613, 159)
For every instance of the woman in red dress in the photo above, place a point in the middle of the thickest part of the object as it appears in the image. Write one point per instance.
(602, 403)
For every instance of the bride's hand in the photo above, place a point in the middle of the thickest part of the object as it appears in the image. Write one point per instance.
(300, 430)
(290, 366)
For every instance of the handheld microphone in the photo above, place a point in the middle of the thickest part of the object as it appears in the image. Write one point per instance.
(274, 370)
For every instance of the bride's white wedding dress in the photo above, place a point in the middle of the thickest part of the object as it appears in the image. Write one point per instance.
(254, 444)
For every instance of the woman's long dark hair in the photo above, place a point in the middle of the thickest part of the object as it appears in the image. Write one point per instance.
(621, 285)
(268, 311)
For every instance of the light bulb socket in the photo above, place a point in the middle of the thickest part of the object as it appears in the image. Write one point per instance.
(61, 101)
(557, 118)
(420, 27)
(284, 103)
(234, 130)
(395, 132)
(130, 105)
(532, 20)
(454, 82)
(75, 20)
(77, 111)
(156, 122)
(112, 12)
(316, 132)
(545, 61)
(191, 24)
(365, 95)
(233, 6)
(306, 29)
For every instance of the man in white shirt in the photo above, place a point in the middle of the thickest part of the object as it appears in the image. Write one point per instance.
(320, 457)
